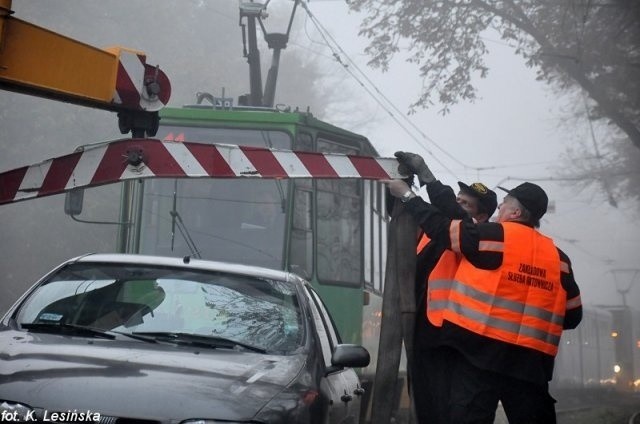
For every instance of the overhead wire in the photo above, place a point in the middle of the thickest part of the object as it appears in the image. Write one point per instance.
(333, 45)
(338, 53)
(605, 180)
(573, 242)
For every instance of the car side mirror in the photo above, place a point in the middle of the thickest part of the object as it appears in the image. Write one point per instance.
(348, 356)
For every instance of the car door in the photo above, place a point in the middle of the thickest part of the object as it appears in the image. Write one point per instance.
(342, 386)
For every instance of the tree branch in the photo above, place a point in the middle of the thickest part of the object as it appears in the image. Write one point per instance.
(573, 70)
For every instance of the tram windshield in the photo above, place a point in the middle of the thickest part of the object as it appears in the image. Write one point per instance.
(219, 219)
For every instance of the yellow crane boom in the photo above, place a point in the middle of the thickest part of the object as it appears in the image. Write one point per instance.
(40, 62)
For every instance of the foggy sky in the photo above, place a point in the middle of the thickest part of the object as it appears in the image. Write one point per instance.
(512, 134)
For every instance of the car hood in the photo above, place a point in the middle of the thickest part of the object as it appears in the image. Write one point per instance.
(128, 378)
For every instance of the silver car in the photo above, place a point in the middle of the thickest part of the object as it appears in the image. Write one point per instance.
(166, 340)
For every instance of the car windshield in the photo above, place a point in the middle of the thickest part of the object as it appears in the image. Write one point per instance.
(254, 311)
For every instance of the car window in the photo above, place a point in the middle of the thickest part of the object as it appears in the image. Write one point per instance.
(325, 327)
(257, 311)
(328, 319)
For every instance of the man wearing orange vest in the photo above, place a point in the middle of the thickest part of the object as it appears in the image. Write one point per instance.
(504, 311)
(430, 373)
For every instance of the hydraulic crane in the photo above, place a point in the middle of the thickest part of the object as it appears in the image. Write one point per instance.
(40, 62)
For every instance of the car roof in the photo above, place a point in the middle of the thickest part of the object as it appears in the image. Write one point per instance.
(189, 263)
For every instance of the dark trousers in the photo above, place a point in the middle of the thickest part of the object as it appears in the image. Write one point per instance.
(431, 379)
(475, 394)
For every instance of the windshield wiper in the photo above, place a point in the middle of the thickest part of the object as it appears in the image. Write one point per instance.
(79, 330)
(199, 340)
(136, 336)
(69, 329)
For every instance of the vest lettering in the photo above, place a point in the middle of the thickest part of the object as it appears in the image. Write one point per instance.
(533, 270)
(514, 276)
(540, 284)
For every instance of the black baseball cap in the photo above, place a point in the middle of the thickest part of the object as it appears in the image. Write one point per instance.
(486, 198)
(532, 197)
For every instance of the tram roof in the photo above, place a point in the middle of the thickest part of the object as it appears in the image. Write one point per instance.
(259, 116)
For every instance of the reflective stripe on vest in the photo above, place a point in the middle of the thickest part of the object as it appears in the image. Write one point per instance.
(445, 268)
(521, 303)
(574, 302)
(439, 285)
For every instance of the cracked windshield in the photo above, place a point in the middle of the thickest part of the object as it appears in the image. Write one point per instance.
(257, 312)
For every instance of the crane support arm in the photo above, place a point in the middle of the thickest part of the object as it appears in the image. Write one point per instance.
(40, 62)
(127, 159)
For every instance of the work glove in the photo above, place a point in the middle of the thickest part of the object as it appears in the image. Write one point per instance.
(410, 163)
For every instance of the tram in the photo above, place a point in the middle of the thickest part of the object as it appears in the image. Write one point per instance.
(332, 232)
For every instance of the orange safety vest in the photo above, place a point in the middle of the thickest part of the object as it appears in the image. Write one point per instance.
(439, 279)
(422, 242)
(522, 302)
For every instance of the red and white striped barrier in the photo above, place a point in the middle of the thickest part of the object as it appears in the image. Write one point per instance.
(132, 82)
(150, 158)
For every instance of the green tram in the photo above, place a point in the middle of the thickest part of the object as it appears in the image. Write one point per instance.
(331, 231)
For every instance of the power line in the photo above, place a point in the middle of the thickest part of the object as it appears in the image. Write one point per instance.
(338, 52)
(333, 45)
(605, 181)
(330, 42)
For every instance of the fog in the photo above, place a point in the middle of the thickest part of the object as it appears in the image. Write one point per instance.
(517, 131)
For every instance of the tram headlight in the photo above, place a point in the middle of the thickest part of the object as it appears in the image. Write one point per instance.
(617, 368)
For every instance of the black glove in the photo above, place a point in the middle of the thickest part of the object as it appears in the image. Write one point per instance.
(410, 163)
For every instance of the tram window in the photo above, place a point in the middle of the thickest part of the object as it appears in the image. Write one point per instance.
(382, 253)
(382, 219)
(301, 251)
(375, 237)
(302, 211)
(224, 219)
(377, 277)
(339, 238)
(339, 225)
(376, 241)
(368, 229)
(304, 142)
(375, 205)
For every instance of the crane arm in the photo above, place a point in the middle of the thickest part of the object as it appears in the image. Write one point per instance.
(40, 62)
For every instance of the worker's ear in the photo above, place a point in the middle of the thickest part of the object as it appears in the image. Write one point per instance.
(516, 213)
